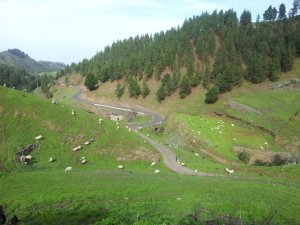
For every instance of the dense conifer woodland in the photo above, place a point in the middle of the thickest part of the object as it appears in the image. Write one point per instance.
(218, 50)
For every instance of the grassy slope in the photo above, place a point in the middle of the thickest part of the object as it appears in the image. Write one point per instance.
(97, 191)
(24, 117)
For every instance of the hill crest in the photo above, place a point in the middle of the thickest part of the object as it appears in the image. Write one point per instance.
(18, 58)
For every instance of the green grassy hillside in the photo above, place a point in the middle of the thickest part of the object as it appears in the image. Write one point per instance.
(98, 193)
(25, 116)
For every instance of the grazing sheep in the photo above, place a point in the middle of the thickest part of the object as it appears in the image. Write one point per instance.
(68, 169)
(229, 171)
(194, 141)
(28, 157)
(87, 143)
(83, 161)
(261, 147)
(266, 143)
(100, 121)
(77, 148)
(129, 129)
(91, 140)
(156, 171)
(117, 123)
(22, 158)
(234, 139)
(121, 167)
(153, 163)
(196, 154)
(54, 101)
(37, 138)
(232, 124)
(118, 127)
(183, 164)
(196, 171)
(51, 159)
(73, 112)
(4, 85)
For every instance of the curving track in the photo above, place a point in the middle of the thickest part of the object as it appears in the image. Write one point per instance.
(168, 155)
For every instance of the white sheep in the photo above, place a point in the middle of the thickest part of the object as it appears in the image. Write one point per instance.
(266, 143)
(121, 167)
(261, 147)
(118, 127)
(232, 124)
(73, 112)
(51, 159)
(234, 139)
(229, 171)
(54, 101)
(196, 171)
(117, 123)
(77, 148)
(194, 141)
(156, 171)
(196, 154)
(129, 129)
(22, 158)
(183, 164)
(153, 163)
(68, 169)
(87, 143)
(83, 161)
(39, 137)
(28, 157)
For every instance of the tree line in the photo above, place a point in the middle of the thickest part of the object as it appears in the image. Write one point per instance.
(218, 50)
(14, 77)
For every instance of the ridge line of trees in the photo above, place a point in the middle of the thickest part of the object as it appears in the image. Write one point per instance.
(218, 50)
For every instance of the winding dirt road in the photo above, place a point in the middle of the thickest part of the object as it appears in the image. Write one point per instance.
(168, 155)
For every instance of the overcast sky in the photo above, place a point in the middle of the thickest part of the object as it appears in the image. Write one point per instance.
(71, 30)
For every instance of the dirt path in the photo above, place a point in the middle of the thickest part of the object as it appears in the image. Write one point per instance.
(168, 155)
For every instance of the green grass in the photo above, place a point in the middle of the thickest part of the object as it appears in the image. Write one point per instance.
(220, 132)
(87, 196)
(99, 193)
(277, 108)
(25, 117)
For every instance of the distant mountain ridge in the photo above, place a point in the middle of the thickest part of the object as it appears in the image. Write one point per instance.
(17, 58)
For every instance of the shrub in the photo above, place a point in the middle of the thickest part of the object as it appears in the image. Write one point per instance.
(212, 95)
(244, 156)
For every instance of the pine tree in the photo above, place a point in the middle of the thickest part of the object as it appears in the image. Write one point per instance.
(90, 81)
(212, 95)
(160, 94)
(133, 88)
(119, 90)
(145, 90)
(185, 87)
(282, 12)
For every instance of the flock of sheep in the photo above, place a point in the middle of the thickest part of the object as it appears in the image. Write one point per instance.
(27, 158)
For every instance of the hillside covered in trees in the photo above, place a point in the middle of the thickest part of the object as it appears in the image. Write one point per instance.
(19, 59)
(218, 50)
